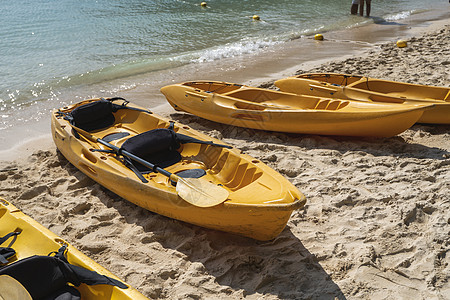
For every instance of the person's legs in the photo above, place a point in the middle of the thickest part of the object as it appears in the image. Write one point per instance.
(361, 8)
(354, 9)
(368, 7)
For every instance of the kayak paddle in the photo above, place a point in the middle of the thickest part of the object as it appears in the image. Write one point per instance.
(196, 191)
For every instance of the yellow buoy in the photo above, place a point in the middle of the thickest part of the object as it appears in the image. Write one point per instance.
(256, 17)
(318, 37)
(402, 44)
(203, 4)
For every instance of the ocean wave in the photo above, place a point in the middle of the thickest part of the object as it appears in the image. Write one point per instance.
(233, 50)
(399, 16)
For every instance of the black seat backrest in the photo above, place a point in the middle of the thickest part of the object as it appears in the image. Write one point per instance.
(147, 143)
(50, 279)
(93, 116)
(158, 146)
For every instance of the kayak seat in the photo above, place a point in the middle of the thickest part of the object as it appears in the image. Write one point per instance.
(93, 116)
(47, 277)
(98, 115)
(157, 146)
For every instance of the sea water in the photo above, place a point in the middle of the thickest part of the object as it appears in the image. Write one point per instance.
(47, 46)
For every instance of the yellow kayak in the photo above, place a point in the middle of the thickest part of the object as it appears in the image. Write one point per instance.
(34, 239)
(350, 87)
(265, 109)
(171, 169)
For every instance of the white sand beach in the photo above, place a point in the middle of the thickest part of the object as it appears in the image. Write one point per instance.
(375, 226)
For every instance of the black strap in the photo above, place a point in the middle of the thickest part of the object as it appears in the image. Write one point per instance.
(76, 134)
(66, 116)
(116, 107)
(7, 252)
(174, 136)
(79, 275)
(6, 237)
(129, 164)
(184, 139)
(112, 99)
(126, 161)
(61, 253)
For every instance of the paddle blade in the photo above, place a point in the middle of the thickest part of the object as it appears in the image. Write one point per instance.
(200, 192)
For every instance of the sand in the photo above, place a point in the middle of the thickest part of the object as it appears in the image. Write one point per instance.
(376, 224)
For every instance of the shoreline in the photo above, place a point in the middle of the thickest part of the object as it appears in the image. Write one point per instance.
(273, 63)
(375, 224)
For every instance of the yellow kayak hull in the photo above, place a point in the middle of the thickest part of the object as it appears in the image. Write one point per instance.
(264, 109)
(350, 87)
(35, 239)
(260, 200)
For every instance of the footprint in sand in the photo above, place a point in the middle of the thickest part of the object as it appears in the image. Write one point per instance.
(34, 192)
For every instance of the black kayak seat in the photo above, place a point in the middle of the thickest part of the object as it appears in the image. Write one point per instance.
(93, 116)
(98, 114)
(47, 277)
(158, 146)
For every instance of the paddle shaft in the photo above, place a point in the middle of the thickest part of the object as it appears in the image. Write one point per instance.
(201, 193)
(138, 159)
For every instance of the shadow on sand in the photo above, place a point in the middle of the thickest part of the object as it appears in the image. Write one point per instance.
(395, 146)
(282, 267)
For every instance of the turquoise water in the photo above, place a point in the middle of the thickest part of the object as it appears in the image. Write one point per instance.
(49, 45)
